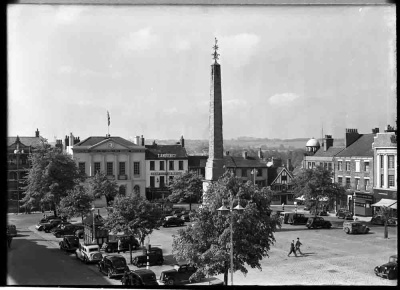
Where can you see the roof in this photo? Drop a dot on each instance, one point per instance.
(392, 203)
(26, 141)
(331, 152)
(197, 160)
(177, 150)
(93, 140)
(386, 139)
(361, 147)
(312, 143)
(251, 162)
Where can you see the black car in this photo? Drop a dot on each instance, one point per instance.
(173, 221)
(51, 224)
(180, 274)
(141, 277)
(318, 222)
(64, 230)
(345, 214)
(298, 219)
(113, 265)
(111, 247)
(155, 258)
(388, 270)
(69, 243)
(379, 220)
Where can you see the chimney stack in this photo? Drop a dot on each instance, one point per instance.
(245, 154)
(142, 140)
(375, 130)
(182, 142)
(137, 140)
(37, 133)
(328, 142)
(260, 154)
(351, 136)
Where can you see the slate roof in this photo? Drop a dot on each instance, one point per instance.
(361, 147)
(26, 141)
(93, 140)
(331, 152)
(197, 160)
(250, 162)
(153, 151)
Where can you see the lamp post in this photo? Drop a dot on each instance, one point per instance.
(94, 225)
(18, 152)
(354, 206)
(223, 210)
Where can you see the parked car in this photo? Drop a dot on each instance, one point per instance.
(88, 253)
(378, 220)
(355, 228)
(46, 219)
(60, 226)
(178, 275)
(345, 214)
(69, 243)
(172, 221)
(388, 270)
(318, 222)
(47, 226)
(155, 257)
(298, 219)
(284, 216)
(141, 277)
(341, 210)
(111, 247)
(12, 230)
(65, 230)
(113, 265)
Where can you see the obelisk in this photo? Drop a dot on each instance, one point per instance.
(215, 162)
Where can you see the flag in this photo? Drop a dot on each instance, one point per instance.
(108, 117)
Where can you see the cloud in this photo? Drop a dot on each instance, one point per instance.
(182, 44)
(238, 49)
(66, 69)
(282, 99)
(140, 40)
(68, 14)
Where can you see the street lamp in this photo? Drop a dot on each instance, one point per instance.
(18, 152)
(354, 206)
(223, 210)
(94, 225)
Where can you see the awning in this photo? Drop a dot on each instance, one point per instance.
(386, 202)
(300, 198)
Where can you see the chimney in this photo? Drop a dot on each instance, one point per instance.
(375, 130)
(389, 128)
(76, 140)
(37, 133)
(182, 141)
(260, 154)
(66, 141)
(288, 164)
(328, 142)
(245, 154)
(351, 136)
(137, 140)
(142, 140)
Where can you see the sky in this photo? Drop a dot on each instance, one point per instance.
(287, 72)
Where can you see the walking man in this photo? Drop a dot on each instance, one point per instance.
(298, 244)
(292, 249)
(119, 245)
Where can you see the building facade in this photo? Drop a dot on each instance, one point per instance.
(120, 159)
(281, 183)
(163, 164)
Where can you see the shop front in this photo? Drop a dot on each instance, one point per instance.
(361, 204)
(157, 193)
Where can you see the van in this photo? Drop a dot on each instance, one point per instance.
(284, 216)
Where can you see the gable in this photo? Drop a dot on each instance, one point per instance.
(283, 177)
(106, 145)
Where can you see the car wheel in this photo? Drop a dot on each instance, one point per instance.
(170, 281)
(40, 229)
(346, 230)
(109, 274)
(391, 275)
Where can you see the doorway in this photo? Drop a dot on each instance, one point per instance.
(283, 199)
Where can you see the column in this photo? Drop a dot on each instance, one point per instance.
(395, 170)
(378, 171)
(91, 164)
(115, 167)
(385, 171)
(128, 172)
(104, 165)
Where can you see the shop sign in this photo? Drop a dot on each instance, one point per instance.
(365, 196)
(165, 173)
(166, 155)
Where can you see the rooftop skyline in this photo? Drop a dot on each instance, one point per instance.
(287, 72)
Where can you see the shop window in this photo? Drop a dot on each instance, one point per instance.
(152, 165)
(152, 181)
(290, 197)
(162, 164)
(276, 197)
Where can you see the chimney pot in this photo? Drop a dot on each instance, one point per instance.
(245, 154)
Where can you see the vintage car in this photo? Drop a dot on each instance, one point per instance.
(378, 220)
(141, 277)
(318, 222)
(355, 228)
(178, 275)
(344, 214)
(172, 221)
(298, 219)
(388, 270)
(65, 230)
(112, 246)
(69, 243)
(113, 265)
(47, 226)
(284, 216)
(11, 230)
(88, 253)
(155, 258)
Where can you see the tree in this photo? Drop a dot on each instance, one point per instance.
(100, 185)
(316, 186)
(78, 202)
(387, 214)
(134, 215)
(206, 243)
(187, 187)
(52, 174)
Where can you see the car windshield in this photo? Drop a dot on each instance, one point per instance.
(119, 263)
(93, 249)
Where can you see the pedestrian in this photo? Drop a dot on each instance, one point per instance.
(283, 206)
(119, 245)
(292, 249)
(298, 244)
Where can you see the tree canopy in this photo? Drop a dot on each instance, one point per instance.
(316, 185)
(100, 185)
(134, 215)
(50, 177)
(206, 243)
(187, 187)
(78, 202)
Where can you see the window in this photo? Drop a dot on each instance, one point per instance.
(347, 165)
(309, 165)
(357, 165)
(381, 160)
(382, 180)
(391, 180)
(136, 189)
(81, 166)
(366, 184)
(290, 197)
(357, 180)
(340, 165)
(244, 172)
(122, 168)
(136, 168)
(313, 164)
(162, 181)
(325, 165)
(151, 181)
(152, 165)
(180, 165)
(110, 170)
(284, 178)
(171, 165)
(340, 180)
(366, 166)
(162, 165)
(96, 167)
(259, 172)
(391, 161)
(347, 182)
